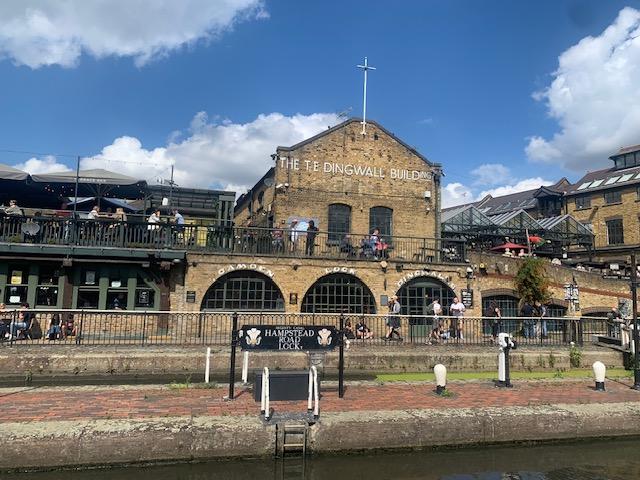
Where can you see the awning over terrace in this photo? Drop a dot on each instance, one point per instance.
(10, 173)
(97, 183)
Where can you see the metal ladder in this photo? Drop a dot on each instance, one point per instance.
(294, 439)
(292, 451)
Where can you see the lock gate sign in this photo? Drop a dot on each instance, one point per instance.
(288, 337)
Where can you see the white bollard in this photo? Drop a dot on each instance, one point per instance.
(599, 371)
(313, 401)
(264, 399)
(207, 365)
(440, 372)
(245, 367)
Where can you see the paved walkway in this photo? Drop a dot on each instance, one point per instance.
(87, 403)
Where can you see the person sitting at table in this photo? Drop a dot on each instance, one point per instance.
(94, 214)
(366, 248)
(13, 209)
(381, 249)
(120, 216)
(346, 247)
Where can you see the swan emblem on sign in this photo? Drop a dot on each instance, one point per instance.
(324, 337)
(253, 337)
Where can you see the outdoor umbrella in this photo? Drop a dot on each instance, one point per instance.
(510, 246)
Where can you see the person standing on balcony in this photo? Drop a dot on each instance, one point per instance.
(293, 235)
(312, 231)
(178, 219)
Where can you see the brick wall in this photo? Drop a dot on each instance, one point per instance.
(297, 276)
(315, 181)
(599, 213)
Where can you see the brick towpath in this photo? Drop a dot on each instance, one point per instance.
(93, 403)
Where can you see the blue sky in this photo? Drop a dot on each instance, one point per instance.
(200, 84)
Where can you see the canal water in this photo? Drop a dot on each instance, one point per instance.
(601, 460)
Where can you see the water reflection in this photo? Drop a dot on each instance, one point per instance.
(612, 460)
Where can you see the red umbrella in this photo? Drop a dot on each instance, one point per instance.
(510, 246)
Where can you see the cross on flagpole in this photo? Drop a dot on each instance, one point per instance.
(366, 68)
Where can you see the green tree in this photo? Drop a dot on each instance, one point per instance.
(531, 281)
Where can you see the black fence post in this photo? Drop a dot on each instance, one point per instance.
(341, 358)
(79, 331)
(144, 327)
(232, 363)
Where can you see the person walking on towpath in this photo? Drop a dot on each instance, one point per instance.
(393, 320)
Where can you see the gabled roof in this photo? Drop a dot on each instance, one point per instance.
(605, 179)
(358, 120)
(516, 219)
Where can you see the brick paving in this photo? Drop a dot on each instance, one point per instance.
(91, 403)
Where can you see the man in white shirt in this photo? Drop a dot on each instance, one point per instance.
(94, 213)
(457, 309)
(154, 220)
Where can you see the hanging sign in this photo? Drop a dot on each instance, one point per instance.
(288, 337)
(466, 296)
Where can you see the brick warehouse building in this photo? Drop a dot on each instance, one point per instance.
(348, 184)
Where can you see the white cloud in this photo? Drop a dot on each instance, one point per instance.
(38, 33)
(593, 97)
(491, 174)
(46, 164)
(520, 186)
(456, 193)
(221, 155)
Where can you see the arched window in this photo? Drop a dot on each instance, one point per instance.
(382, 219)
(508, 306)
(339, 293)
(243, 291)
(339, 221)
(416, 295)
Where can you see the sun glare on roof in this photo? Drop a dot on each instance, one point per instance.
(626, 177)
(597, 183)
(612, 180)
(584, 185)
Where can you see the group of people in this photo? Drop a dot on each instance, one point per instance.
(21, 324)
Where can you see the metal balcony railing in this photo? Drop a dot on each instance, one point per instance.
(112, 233)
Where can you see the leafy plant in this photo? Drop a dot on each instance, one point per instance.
(531, 283)
(575, 356)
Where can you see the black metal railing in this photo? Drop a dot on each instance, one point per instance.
(91, 327)
(106, 233)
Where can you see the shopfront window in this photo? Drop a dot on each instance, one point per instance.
(17, 285)
(47, 289)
